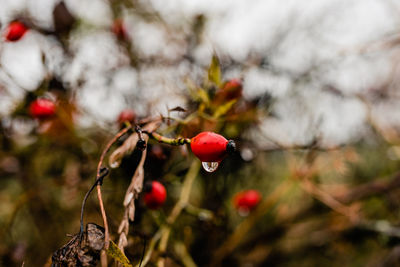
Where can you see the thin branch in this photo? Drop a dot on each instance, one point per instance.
(152, 245)
(170, 141)
(99, 195)
(177, 209)
(329, 200)
(99, 180)
(373, 188)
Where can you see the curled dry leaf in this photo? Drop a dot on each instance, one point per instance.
(129, 145)
(123, 241)
(128, 198)
(131, 211)
(123, 226)
(77, 252)
(136, 184)
(126, 148)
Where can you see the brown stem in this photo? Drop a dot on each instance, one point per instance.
(99, 195)
(375, 187)
(329, 200)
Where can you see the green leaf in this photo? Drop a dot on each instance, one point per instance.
(203, 96)
(214, 71)
(114, 252)
(222, 110)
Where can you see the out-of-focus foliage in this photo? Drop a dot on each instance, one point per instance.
(323, 203)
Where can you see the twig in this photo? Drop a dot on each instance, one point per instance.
(375, 187)
(99, 195)
(181, 250)
(170, 141)
(329, 200)
(98, 181)
(177, 209)
(152, 245)
(144, 250)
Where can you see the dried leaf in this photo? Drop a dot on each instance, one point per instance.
(127, 147)
(128, 198)
(131, 211)
(130, 143)
(123, 241)
(75, 253)
(114, 252)
(122, 226)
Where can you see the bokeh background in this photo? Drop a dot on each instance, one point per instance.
(319, 116)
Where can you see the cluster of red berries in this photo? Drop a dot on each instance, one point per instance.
(42, 108)
(15, 31)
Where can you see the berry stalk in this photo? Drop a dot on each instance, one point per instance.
(170, 141)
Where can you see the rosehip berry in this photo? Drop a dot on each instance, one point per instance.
(15, 31)
(211, 147)
(232, 89)
(42, 108)
(118, 28)
(155, 195)
(247, 200)
(126, 115)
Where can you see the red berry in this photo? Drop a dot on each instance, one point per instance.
(42, 108)
(126, 115)
(246, 200)
(118, 28)
(232, 89)
(211, 147)
(156, 195)
(15, 31)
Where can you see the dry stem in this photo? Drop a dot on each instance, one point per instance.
(136, 185)
(177, 209)
(99, 195)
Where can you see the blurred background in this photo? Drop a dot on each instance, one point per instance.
(316, 120)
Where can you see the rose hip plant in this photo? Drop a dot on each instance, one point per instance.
(195, 133)
(195, 185)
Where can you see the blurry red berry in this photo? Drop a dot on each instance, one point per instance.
(157, 152)
(42, 108)
(246, 200)
(155, 196)
(118, 28)
(15, 31)
(211, 147)
(126, 115)
(232, 89)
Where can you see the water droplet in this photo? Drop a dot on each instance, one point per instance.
(210, 166)
(243, 211)
(115, 164)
